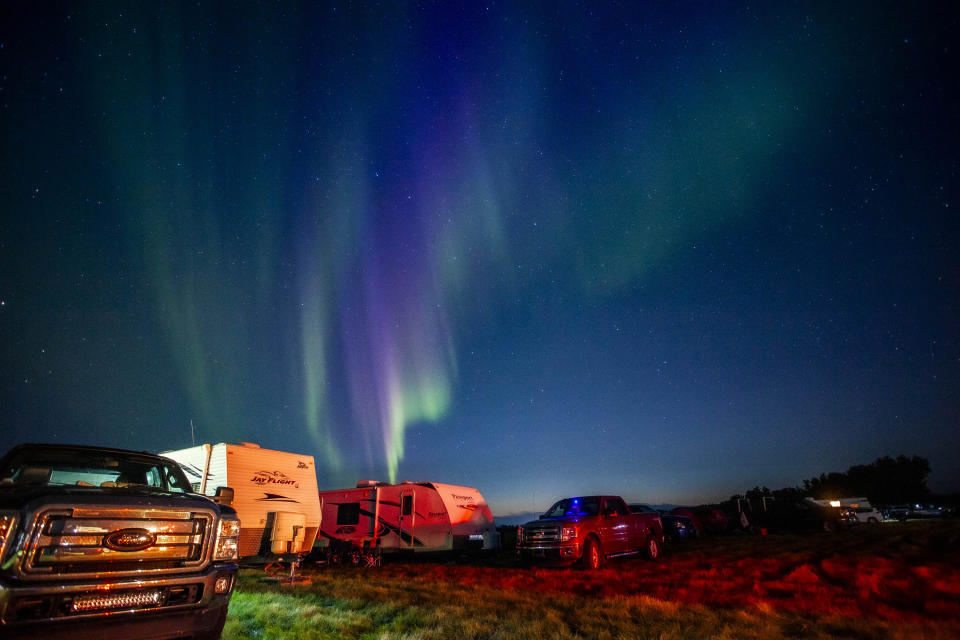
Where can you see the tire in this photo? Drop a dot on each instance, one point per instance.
(652, 548)
(592, 558)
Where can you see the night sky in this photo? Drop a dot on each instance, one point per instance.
(668, 251)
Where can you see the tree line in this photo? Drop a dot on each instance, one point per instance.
(885, 481)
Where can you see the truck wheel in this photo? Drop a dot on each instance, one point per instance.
(653, 548)
(592, 555)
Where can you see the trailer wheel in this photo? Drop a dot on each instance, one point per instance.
(592, 555)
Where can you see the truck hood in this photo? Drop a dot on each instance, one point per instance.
(556, 520)
(15, 497)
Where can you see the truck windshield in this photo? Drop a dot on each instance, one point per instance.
(92, 469)
(574, 507)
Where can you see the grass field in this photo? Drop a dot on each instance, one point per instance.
(896, 580)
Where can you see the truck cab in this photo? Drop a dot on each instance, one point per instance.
(105, 543)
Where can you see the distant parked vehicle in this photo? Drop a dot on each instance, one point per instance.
(803, 515)
(928, 511)
(695, 521)
(675, 527)
(848, 516)
(861, 509)
(898, 512)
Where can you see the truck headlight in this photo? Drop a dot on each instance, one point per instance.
(8, 526)
(568, 533)
(228, 539)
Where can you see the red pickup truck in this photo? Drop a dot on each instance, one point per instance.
(588, 530)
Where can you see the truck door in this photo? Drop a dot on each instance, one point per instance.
(408, 518)
(618, 525)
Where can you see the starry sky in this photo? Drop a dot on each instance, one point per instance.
(668, 251)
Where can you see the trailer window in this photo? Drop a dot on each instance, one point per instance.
(348, 513)
(406, 507)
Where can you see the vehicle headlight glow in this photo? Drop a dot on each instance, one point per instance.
(8, 522)
(568, 533)
(133, 600)
(228, 539)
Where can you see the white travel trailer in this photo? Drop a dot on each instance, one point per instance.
(864, 511)
(275, 493)
(414, 516)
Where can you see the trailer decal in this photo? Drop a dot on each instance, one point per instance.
(275, 497)
(274, 477)
(384, 528)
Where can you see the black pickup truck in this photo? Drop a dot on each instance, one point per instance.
(104, 543)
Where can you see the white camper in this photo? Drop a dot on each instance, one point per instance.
(275, 493)
(415, 516)
(864, 511)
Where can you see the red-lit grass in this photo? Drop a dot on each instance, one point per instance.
(887, 581)
(895, 571)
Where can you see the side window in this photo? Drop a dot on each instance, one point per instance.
(406, 505)
(348, 513)
(618, 505)
(175, 482)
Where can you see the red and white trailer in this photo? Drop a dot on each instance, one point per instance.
(410, 516)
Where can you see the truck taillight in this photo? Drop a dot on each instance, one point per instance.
(568, 533)
(519, 534)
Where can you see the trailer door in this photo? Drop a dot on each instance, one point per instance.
(408, 518)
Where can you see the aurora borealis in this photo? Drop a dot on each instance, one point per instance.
(540, 248)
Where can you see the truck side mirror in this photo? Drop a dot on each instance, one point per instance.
(224, 496)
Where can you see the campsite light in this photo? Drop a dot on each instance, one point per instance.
(834, 503)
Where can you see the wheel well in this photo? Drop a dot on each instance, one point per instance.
(596, 540)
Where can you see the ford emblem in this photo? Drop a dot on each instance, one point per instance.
(129, 540)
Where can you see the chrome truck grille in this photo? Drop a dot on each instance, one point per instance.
(116, 541)
(534, 535)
